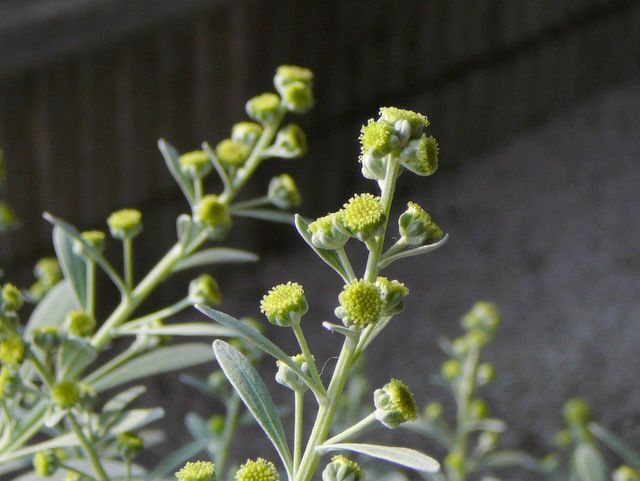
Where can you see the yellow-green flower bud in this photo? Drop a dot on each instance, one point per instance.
(562, 438)
(129, 445)
(283, 192)
(285, 304)
(47, 338)
(95, 238)
(421, 156)
(433, 411)
(362, 216)
(258, 470)
(246, 133)
(626, 473)
(12, 350)
(232, 154)
(286, 74)
(213, 213)
(65, 394)
(264, 108)
(451, 369)
(376, 137)
(374, 165)
(216, 424)
(479, 409)
(290, 143)
(342, 468)
(45, 463)
(392, 294)
(204, 289)
(477, 338)
(394, 404)
(486, 374)
(326, 234)
(297, 97)
(417, 227)
(11, 298)
(125, 223)
(482, 316)
(395, 117)
(360, 304)
(9, 383)
(289, 378)
(80, 323)
(195, 164)
(197, 471)
(576, 411)
(48, 271)
(454, 460)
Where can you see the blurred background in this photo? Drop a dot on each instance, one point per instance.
(536, 105)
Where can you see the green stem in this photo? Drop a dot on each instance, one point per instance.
(353, 430)
(159, 314)
(197, 189)
(311, 363)
(7, 419)
(114, 363)
(87, 448)
(71, 469)
(128, 468)
(91, 287)
(344, 260)
(251, 204)
(45, 375)
(395, 248)
(298, 429)
(127, 248)
(230, 428)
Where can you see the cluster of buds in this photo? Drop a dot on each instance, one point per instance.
(197, 471)
(363, 303)
(577, 414)
(394, 404)
(342, 468)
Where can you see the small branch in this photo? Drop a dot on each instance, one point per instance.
(353, 430)
(87, 448)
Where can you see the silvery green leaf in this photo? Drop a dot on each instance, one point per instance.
(184, 329)
(53, 417)
(53, 308)
(249, 386)
(589, 464)
(252, 335)
(135, 419)
(171, 158)
(186, 228)
(74, 356)
(493, 425)
(409, 458)
(14, 465)
(73, 265)
(175, 459)
(197, 426)
(385, 261)
(63, 441)
(224, 177)
(270, 215)
(330, 257)
(27, 427)
(198, 384)
(164, 359)
(215, 255)
(121, 400)
(629, 455)
(437, 430)
(505, 459)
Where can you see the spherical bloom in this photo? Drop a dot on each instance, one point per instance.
(291, 142)
(297, 96)
(433, 411)
(417, 227)
(483, 316)
(216, 424)
(231, 153)
(326, 234)
(451, 369)
(479, 409)
(48, 271)
(264, 107)
(205, 290)
(197, 471)
(288, 377)
(12, 350)
(395, 404)
(284, 304)
(392, 294)
(376, 137)
(362, 216)
(486, 374)
(195, 164)
(576, 411)
(393, 115)
(80, 323)
(65, 394)
(11, 298)
(454, 460)
(246, 133)
(45, 463)
(283, 192)
(95, 238)
(213, 213)
(342, 468)
(360, 304)
(286, 74)
(626, 473)
(258, 470)
(125, 223)
(420, 156)
(129, 445)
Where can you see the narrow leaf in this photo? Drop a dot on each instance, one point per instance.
(330, 257)
(249, 386)
(506, 459)
(616, 445)
(176, 459)
(53, 308)
(171, 158)
(589, 464)
(270, 215)
(73, 265)
(197, 426)
(409, 458)
(385, 261)
(215, 255)
(121, 400)
(493, 425)
(224, 177)
(186, 329)
(135, 419)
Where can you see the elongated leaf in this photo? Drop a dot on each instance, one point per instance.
(135, 419)
(121, 400)
(74, 356)
(215, 255)
(161, 360)
(224, 177)
(53, 308)
(197, 426)
(330, 257)
(270, 215)
(589, 464)
(630, 456)
(176, 459)
(249, 386)
(506, 459)
(437, 430)
(385, 261)
(62, 441)
(186, 329)
(257, 339)
(493, 425)
(409, 458)
(73, 265)
(171, 158)
(116, 470)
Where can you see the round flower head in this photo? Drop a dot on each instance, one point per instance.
(263, 108)
(48, 271)
(483, 316)
(362, 216)
(376, 137)
(258, 470)
(11, 298)
(12, 350)
(80, 323)
(216, 424)
(451, 369)
(246, 133)
(342, 468)
(420, 156)
(392, 294)
(394, 404)
(433, 411)
(286, 74)
(479, 409)
(125, 223)
(197, 471)
(129, 445)
(205, 290)
(195, 164)
(326, 234)
(65, 394)
(454, 460)
(289, 378)
(47, 338)
(45, 463)
(576, 411)
(283, 192)
(395, 116)
(486, 374)
(417, 227)
(284, 304)
(95, 238)
(213, 213)
(626, 473)
(360, 304)
(290, 143)
(297, 96)
(231, 153)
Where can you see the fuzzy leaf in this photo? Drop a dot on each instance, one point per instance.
(409, 458)
(589, 464)
(215, 255)
(73, 266)
(171, 158)
(330, 257)
(185, 329)
(630, 456)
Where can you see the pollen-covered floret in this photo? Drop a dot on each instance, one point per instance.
(263, 107)
(420, 156)
(12, 350)
(395, 404)
(375, 136)
(325, 233)
(292, 73)
(342, 468)
(417, 121)
(213, 213)
(11, 298)
(125, 223)
(392, 294)
(417, 227)
(258, 470)
(284, 304)
(80, 323)
(360, 303)
(362, 215)
(231, 153)
(65, 394)
(195, 163)
(197, 471)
